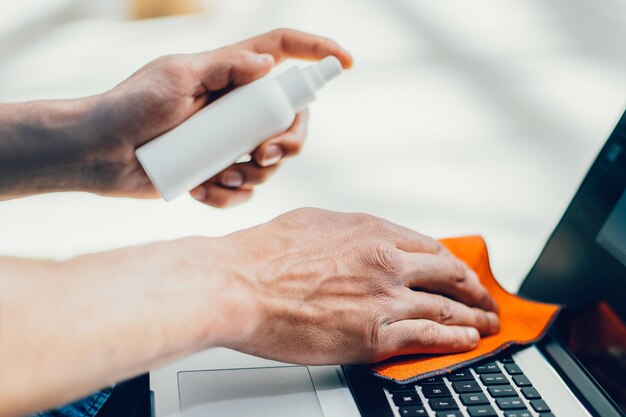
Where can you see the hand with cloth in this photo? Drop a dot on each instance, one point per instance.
(310, 287)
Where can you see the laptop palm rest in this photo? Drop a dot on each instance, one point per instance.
(276, 392)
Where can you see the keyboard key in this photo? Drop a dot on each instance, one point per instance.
(433, 391)
(461, 376)
(540, 406)
(466, 386)
(494, 379)
(512, 369)
(506, 359)
(531, 393)
(522, 381)
(430, 381)
(474, 399)
(403, 390)
(445, 403)
(518, 413)
(413, 411)
(502, 391)
(406, 399)
(487, 368)
(481, 411)
(510, 403)
(449, 414)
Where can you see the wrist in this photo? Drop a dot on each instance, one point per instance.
(225, 307)
(44, 146)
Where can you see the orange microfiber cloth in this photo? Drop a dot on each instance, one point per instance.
(521, 322)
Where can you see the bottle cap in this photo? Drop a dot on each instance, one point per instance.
(301, 84)
(329, 68)
(322, 72)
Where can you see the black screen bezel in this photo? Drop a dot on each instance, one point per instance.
(563, 262)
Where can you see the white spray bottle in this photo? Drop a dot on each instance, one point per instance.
(230, 127)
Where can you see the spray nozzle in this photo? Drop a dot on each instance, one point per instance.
(324, 71)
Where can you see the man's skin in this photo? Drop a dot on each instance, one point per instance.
(310, 287)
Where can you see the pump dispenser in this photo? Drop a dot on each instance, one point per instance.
(234, 125)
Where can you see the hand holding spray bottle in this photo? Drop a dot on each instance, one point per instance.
(234, 125)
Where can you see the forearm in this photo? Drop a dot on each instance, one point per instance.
(69, 328)
(43, 147)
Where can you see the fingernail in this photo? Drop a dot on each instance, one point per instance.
(494, 321)
(273, 155)
(232, 179)
(265, 57)
(473, 335)
(199, 194)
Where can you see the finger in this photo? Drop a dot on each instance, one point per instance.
(231, 67)
(411, 241)
(245, 174)
(287, 43)
(408, 337)
(443, 310)
(220, 197)
(287, 144)
(445, 275)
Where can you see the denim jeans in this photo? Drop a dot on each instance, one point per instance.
(87, 407)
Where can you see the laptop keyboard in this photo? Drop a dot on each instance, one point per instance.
(497, 388)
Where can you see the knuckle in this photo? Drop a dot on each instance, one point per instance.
(323, 45)
(458, 275)
(303, 211)
(236, 54)
(362, 218)
(280, 33)
(445, 314)
(434, 245)
(429, 334)
(304, 217)
(374, 225)
(319, 46)
(482, 321)
(373, 344)
(385, 259)
(172, 65)
(441, 248)
(484, 298)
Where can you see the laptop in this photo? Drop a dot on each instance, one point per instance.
(578, 369)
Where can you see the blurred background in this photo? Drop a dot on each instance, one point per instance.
(458, 117)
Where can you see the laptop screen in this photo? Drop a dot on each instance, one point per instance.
(583, 266)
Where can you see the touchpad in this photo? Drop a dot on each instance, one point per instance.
(277, 392)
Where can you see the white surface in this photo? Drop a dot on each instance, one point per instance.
(459, 117)
(16, 15)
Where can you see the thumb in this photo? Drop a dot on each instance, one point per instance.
(224, 67)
